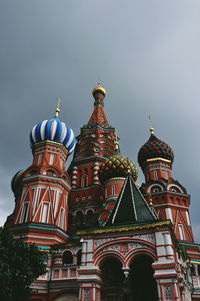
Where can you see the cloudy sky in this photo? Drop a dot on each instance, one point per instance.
(146, 54)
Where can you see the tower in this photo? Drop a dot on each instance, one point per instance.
(42, 189)
(94, 145)
(170, 199)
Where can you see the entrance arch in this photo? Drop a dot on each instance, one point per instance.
(141, 284)
(112, 277)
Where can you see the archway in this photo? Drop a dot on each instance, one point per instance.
(141, 285)
(112, 277)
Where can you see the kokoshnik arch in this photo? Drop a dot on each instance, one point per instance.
(103, 237)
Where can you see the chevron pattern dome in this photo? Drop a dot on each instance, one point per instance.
(53, 130)
(117, 166)
(154, 148)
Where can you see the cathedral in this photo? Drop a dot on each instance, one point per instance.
(103, 236)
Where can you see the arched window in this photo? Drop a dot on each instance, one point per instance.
(79, 219)
(67, 258)
(113, 189)
(84, 180)
(79, 255)
(90, 218)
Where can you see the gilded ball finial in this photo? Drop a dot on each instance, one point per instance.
(151, 130)
(99, 89)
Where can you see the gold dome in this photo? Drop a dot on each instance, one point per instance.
(100, 89)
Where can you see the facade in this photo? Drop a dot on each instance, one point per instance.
(102, 236)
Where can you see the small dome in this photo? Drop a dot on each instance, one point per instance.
(16, 183)
(99, 89)
(117, 166)
(154, 148)
(53, 130)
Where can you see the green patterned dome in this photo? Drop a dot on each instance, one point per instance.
(117, 166)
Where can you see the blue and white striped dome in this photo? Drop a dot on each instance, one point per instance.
(53, 130)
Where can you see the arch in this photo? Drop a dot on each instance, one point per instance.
(112, 277)
(104, 255)
(141, 272)
(174, 188)
(50, 172)
(151, 187)
(90, 218)
(67, 258)
(139, 252)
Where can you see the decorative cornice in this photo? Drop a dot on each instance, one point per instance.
(160, 159)
(123, 228)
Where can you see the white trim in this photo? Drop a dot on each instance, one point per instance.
(51, 159)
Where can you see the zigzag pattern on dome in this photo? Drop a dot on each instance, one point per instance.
(117, 166)
(155, 148)
(53, 130)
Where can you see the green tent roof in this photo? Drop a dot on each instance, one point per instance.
(131, 207)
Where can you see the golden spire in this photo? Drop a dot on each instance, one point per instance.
(57, 111)
(151, 129)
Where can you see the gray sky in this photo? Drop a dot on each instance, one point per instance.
(147, 55)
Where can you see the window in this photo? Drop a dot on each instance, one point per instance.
(25, 213)
(84, 180)
(44, 218)
(155, 175)
(113, 190)
(39, 159)
(67, 258)
(90, 218)
(61, 218)
(181, 232)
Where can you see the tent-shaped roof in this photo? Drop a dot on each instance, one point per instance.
(131, 207)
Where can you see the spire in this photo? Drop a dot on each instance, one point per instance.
(151, 129)
(57, 111)
(98, 116)
(131, 207)
(116, 143)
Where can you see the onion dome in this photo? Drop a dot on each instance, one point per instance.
(16, 183)
(154, 148)
(99, 89)
(53, 130)
(117, 166)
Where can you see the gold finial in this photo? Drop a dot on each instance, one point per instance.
(150, 199)
(58, 106)
(151, 129)
(99, 88)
